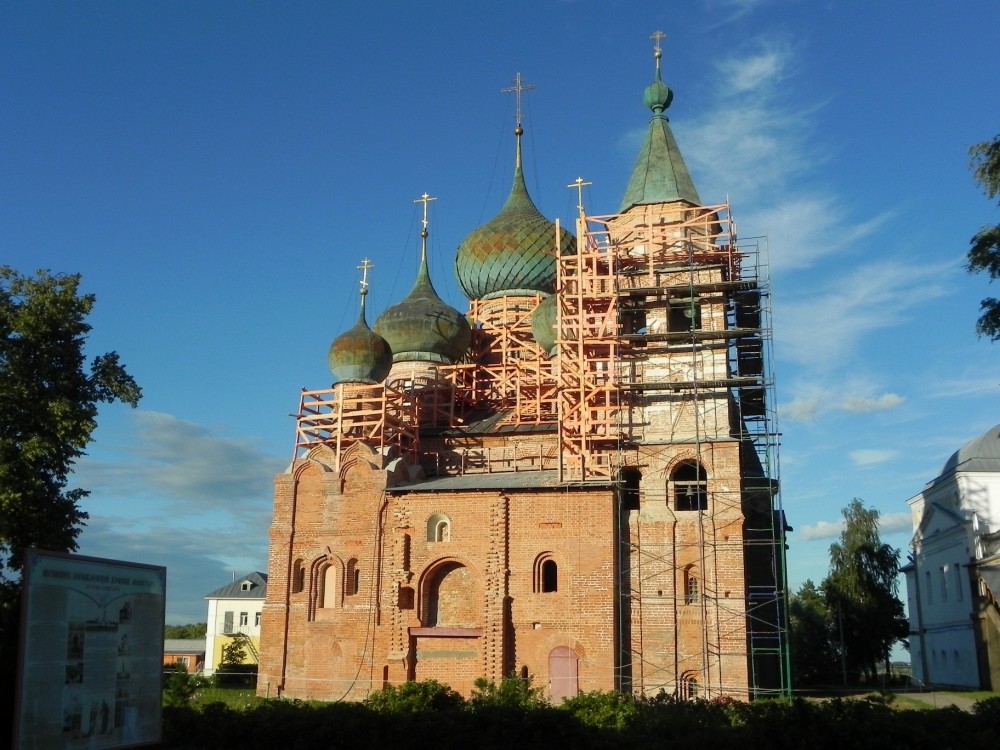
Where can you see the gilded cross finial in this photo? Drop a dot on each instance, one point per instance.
(656, 36)
(425, 199)
(517, 88)
(579, 184)
(365, 265)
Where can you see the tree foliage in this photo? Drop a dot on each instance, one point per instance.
(812, 635)
(861, 591)
(984, 250)
(191, 630)
(48, 408)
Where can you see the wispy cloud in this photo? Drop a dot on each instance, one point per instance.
(871, 456)
(855, 396)
(888, 523)
(823, 329)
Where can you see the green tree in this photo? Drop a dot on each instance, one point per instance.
(233, 654)
(861, 591)
(48, 407)
(191, 630)
(812, 636)
(984, 252)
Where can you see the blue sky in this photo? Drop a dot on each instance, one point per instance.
(216, 172)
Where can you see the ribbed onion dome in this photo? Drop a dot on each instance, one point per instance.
(543, 323)
(360, 355)
(660, 174)
(515, 252)
(422, 327)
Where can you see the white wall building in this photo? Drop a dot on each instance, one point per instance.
(234, 608)
(953, 578)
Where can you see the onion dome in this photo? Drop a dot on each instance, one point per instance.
(360, 355)
(515, 252)
(422, 327)
(660, 174)
(543, 323)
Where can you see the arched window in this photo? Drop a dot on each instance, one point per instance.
(298, 576)
(550, 576)
(630, 478)
(327, 594)
(438, 528)
(689, 687)
(546, 574)
(690, 485)
(692, 586)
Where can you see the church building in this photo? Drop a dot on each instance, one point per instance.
(575, 480)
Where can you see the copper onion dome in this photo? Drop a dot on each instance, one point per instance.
(422, 327)
(360, 355)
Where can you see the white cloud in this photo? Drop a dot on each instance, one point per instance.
(871, 456)
(888, 523)
(864, 404)
(854, 396)
(821, 530)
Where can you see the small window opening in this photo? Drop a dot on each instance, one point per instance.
(550, 576)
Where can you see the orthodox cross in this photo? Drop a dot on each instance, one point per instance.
(365, 265)
(579, 185)
(425, 199)
(517, 88)
(656, 36)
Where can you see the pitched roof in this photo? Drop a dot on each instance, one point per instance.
(235, 590)
(184, 645)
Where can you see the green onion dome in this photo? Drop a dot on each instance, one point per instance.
(515, 252)
(543, 323)
(360, 355)
(422, 327)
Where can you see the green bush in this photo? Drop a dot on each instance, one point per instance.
(415, 697)
(602, 710)
(181, 686)
(512, 692)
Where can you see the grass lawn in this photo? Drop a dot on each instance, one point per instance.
(232, 697)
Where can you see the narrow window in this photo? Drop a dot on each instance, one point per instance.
(958, 581)
(298, 577)
(328, 592)
(256, 619)
(352, 577)
(227, 623)
(630, 478)
(550, 576)
(928, 587)
(244, 619)
(692, 588)
(690, 487)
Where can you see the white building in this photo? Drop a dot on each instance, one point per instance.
(234, 609)
(953, 578)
